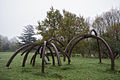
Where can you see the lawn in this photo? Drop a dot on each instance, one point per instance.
(80, 69)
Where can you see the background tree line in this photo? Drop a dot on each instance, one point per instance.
(8, 45)
(64, 26)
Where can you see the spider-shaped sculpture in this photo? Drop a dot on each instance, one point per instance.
(40, 49)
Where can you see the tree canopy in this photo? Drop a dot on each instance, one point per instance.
(63, 26)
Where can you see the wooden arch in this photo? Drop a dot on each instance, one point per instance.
(81, 37)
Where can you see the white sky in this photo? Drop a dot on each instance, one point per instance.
(14, 14)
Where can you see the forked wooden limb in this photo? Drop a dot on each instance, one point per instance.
(43, 57)
(100, 61)
(53, 59)
(57, 54)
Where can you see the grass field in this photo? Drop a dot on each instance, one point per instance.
(80, 69)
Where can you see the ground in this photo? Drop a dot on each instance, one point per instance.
(79, 69)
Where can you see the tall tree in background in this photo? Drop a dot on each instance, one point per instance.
(49, 27)
(28, 35)
(63, 27)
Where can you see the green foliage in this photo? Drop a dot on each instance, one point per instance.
(80, 69)
(113, 40)
(49, 27)
(62, 26)
(108, 27)
(71, 26)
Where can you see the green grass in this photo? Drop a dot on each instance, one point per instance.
(80, 69)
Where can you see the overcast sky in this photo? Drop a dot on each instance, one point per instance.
(14, 14)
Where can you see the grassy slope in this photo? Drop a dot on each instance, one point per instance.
(80, 69)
